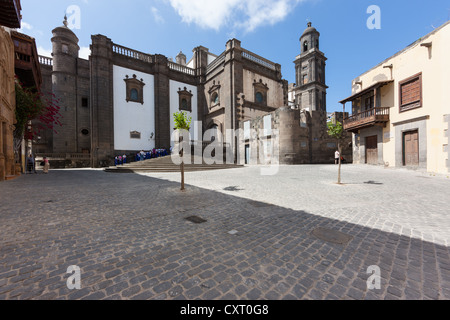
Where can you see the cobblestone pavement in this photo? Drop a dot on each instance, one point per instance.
(129, 235)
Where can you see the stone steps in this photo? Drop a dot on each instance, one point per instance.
(165, 164)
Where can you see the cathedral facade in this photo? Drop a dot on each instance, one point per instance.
(121, 101)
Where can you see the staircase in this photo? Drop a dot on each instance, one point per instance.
(165, 164)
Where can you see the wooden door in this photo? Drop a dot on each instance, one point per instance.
(372, 150)
(411, 149)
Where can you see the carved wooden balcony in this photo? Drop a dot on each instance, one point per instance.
(366, 119)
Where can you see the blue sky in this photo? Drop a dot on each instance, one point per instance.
(270, 28)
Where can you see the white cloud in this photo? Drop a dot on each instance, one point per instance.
(25, 26)
(85, 52)
(157, 15)
(44, 52)
(247, 15)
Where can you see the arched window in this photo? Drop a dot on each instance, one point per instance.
(134, 95)
(259, 97)
(184, 104)
(215, 98)
(135, 89)
(317, 43)
(214, 132)
(305, 46)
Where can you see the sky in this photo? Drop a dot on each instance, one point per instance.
(355, 35)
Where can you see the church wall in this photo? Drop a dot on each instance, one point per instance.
(275, 93)
(133, 116)
(83, 112)
(175, 87)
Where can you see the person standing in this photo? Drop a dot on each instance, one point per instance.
(46, 165)
(33, 160)
(124, 159)
(29, 162)
(337, 155)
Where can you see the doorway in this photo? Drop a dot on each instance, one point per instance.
(372, 150)
(411, 149)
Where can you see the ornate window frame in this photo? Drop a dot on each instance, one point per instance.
(214, 95)
(134, 84)
(185, 99)
(260, 88)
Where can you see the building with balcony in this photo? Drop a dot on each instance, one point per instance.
(28, 72)
(400, 109)
(9, 18)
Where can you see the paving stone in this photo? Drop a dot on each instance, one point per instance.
(272, 255)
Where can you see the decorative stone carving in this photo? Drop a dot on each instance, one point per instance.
(185, 97)
(135, 89)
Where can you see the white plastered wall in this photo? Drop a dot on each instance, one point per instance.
(132, 116)
(196, 128)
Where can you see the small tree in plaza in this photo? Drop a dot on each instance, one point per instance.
(336, 130)
(182, 122)
(32, 105)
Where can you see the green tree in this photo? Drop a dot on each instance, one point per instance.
(32, 105)
(336, 130)
(182, 122)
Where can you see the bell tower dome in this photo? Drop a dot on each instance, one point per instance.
(310, 87)
(64, 83)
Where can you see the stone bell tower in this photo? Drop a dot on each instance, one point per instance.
(310, 89)
(64, 79)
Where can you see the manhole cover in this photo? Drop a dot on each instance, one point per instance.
(196, 220)
(332, 236)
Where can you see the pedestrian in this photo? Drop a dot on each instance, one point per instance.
(115, 161)
(124, 159)
(33, 158)
(337, 155)
(46, 165)
(120, 160)
(29, 164)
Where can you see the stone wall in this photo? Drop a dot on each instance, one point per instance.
(302, 138)
(7, 105)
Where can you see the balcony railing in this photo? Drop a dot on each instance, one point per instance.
(257, 59)
(180, 68)
(124, 51)
(368, 118)
(45, 61)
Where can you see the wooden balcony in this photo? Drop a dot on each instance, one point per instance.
(366, 119)
(10, 13)
(26, 62)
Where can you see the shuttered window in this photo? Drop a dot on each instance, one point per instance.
(411, 93)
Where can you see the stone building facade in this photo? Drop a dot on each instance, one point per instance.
(7, 105)
(400, 110)
(121, 101)
(9, 18)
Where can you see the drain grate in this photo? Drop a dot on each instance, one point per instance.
(332, 236)
(196, 220)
